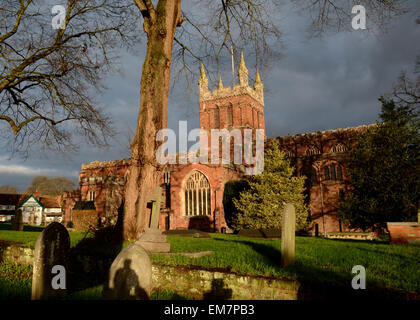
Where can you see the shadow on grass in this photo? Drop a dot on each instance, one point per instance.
(328, 285)
(91, 259)
(404, 259)
(317, 283)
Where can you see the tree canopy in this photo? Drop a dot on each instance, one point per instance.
(261, 205)
(50, 186)
(8, 189)
(50, 78)
(384, 166)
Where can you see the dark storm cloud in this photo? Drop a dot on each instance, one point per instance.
(335, 82)
(319, 84)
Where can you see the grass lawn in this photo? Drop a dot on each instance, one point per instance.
(16, 284)
(30, 234)
(318, 260)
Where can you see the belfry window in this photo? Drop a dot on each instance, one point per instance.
(230, 116)
(216, 118)
(197, 195)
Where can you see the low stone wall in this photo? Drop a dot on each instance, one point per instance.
(195, 283)
(208, 284)
(16, 253)
(404, 232)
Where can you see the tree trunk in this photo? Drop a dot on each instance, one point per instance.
(144, 173)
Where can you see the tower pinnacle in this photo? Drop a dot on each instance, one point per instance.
(243, 72)
(220, 83)
(203, 82)
(258, 86)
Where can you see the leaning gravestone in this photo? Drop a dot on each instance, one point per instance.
(152, 239)
(50, 263)
(288, 235)
(17, 224)
(130, 275)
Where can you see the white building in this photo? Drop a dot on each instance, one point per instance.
(32, 210)
(39, 211)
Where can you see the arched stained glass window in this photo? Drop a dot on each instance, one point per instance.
(197, 195)
(339, 173)
(332, 170)
(327, 173)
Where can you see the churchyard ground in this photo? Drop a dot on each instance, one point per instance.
(319, 262)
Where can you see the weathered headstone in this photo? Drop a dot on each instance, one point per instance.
(17, 224)
(152, 239)
(288, 235)
(50, 263)
(130, 275)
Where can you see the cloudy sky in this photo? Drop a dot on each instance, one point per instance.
(318, 84)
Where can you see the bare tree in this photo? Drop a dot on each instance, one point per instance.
(407, 89)
(49, 77)
(8, 189)
(202, 32)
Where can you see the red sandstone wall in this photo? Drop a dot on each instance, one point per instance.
(107, 179)
(323, 143)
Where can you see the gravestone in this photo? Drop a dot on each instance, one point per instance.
(130, 275)
(51, 250)
(17, 224)
(288, 235)
(152, 239)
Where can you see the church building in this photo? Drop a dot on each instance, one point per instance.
(194, 192)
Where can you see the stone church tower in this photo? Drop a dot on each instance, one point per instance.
(234, 107)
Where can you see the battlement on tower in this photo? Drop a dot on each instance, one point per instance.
(242, 88)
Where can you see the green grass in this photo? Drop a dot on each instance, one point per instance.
(318, 260)
(16, 284)
(15, 281)
(30, 234)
